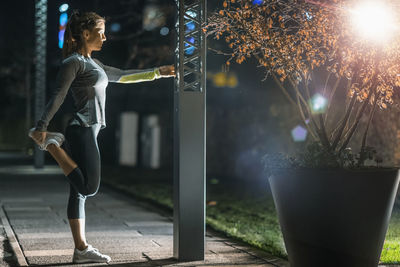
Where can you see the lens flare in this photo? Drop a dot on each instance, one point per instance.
(318, 104)
(299, 134)
(373, 20)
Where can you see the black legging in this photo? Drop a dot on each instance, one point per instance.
(81, 145)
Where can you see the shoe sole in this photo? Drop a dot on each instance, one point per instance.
(87, 261)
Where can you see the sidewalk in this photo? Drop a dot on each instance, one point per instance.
(133, 233)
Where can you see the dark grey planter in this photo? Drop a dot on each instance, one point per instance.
(334, 217)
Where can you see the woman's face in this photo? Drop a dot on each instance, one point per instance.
(95, 38)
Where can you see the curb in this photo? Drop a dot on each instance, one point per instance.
(19, 255)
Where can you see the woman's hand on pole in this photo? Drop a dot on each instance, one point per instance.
(167, 71)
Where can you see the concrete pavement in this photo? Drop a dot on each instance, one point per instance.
(133, 233)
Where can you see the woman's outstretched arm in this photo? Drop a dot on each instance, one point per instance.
(136, 75)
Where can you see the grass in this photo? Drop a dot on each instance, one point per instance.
(391, 248)
(247, 214)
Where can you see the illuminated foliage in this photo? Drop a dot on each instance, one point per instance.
(302, 42)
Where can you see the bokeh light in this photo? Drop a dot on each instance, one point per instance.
(219, 79)
(63, 7)
(61, 39)
(214, 181)
(63, 19)
(223, 79)
(299, 134)
(115, 27)
(232, 81)
(63, 22)
(318, 104)
(164, 31)
(154, 16)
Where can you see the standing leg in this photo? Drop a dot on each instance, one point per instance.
(76, 215)
(78, 233)
(82, 146)
(84, 150)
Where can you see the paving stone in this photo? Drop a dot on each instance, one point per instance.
(48, 252)
(149, 223)
(139, 216)
(46, 244)
(45, 260)
(34, 222)
(127, 257)
(8, 200)
(160, 230)
(27, 209)
(31, 215)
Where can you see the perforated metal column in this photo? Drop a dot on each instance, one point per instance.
(40, 68)
(189, 132)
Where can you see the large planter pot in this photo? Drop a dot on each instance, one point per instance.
(334, 217)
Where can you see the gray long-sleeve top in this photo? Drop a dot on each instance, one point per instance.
(88, 78)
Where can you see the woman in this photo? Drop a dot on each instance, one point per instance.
(79, 156)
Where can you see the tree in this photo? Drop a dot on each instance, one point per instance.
(340, 52)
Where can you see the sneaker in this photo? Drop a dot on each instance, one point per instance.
(90, 254)
(51, 138)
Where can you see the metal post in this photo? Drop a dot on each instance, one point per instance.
(189, 132)
(40, 68)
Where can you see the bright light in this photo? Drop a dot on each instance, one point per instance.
(63, 7)
(63, 22)
(61, 38)
(63, 19)
(318, 103)
(61, 35)
(299, 134)
(373, 20)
